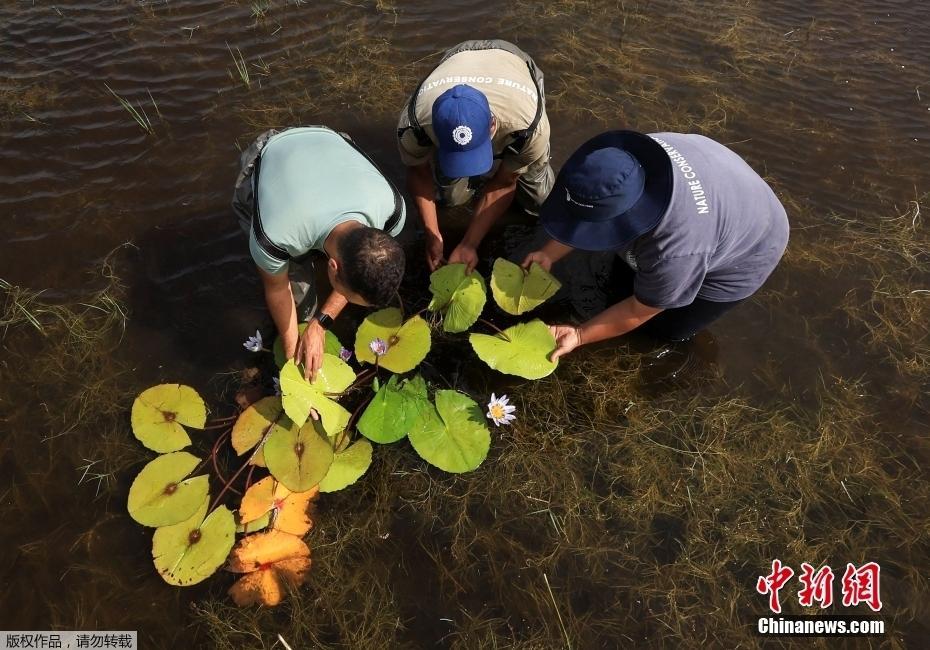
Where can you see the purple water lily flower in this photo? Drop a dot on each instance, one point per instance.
(254, 343)
(379, 347)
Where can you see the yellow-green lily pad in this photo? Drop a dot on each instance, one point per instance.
(453, 436)
(298, 395)
(348, 466)
(161, 495)
(407, 342)
(458, 296)
(517, 291)
(191, 551)
(523, 350)
(300, 458)
(159, 412)
(254, 422)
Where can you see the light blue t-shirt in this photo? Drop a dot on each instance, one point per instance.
(310, 181)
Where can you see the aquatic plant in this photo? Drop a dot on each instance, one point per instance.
(308, 442)
(138, 114)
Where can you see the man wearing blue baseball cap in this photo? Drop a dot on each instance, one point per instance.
(695, 229)
(477, 120)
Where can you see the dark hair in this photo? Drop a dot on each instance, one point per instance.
(371, 263)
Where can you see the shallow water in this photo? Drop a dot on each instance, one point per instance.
(831, 102)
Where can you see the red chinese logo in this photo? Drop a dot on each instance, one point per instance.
(861, 586)
(817, 587)
(773, 582)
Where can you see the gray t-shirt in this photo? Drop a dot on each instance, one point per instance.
(722, 235)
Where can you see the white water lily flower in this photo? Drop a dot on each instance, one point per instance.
(254, 343)
(345, 354)
(500, 411)
(379, 347)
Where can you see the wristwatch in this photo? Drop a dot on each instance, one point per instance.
(324, 319)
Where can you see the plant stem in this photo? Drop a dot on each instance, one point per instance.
(361, 378)
(220, 439)
(495, 328)
(568, 642)
(355, 416)
(247, 462)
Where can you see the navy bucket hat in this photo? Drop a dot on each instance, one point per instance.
(613, 189)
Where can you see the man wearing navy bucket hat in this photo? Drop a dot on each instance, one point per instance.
(476, 125)
(695, 229)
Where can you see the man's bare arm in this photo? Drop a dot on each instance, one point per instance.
(494, 201)
(280, 303)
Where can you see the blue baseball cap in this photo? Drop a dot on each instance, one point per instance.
(615, 188)
(462, 124)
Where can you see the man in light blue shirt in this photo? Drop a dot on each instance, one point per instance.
(311, 189)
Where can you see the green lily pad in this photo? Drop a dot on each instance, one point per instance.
(159, 412)
(299, 458)
(525, 355)
(517, 291)
(162, 496)
(453, 436)
(298, 395)
(252, 424)
(408, 342)
(394, 409)
(458, 296)
(331, 345)
(348, 466)
(192, 550)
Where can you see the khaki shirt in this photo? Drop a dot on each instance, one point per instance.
(505, 80)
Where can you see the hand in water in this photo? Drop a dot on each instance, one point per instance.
(310, 349)
(567, 338)
(466, 255)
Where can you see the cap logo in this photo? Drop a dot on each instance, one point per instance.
(461, 134)
(568, 197)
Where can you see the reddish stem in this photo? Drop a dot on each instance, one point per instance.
(248, 461)
(495, 328)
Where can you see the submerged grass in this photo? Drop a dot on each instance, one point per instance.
(614, 513)
(603, 515)
(138, 115)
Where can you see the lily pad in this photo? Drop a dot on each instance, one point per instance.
(255, 525)
(452, 436)
(408, 341)
(252, 424)
(288, 510)
(271, 561)
(162, 496)
(331, 345)
(191, 551)
(458, 296)
(517, 291)
(159, 412)
(298, 459)
(348, 466)
(298, 395)
(394, 410)
(525, 354)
